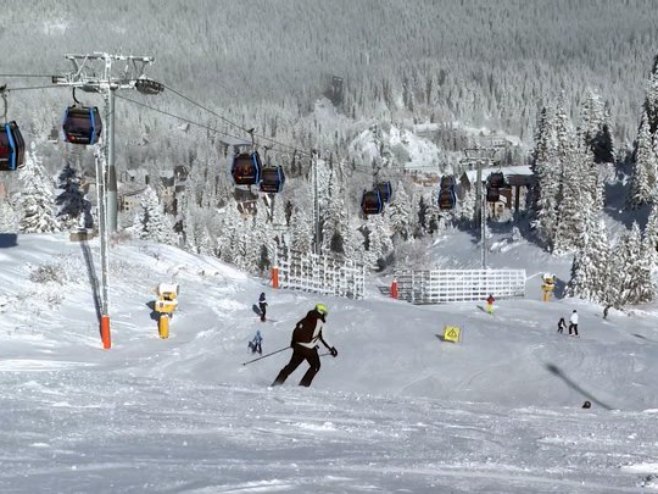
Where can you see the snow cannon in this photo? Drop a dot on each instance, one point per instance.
(547, 286)
(165, 306)
(167, 298)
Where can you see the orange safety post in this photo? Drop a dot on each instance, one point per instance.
(275, 277)
(105, 332)
(394, 288)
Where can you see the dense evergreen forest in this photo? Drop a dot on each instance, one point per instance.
(484, 63)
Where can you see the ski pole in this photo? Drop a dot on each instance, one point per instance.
(265, 356)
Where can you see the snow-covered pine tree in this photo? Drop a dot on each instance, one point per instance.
(153, 223)
(301, 231)
(279, 212)
(579, 283)
(467, 205)
(638, 288)
(421, 214)
(628, 280)
(645, 168)
(332, 235)
(380, 244)
(575, 206)
(71, 200)
(230, 229)
(651, 232)
(591, 116)
(547, 168)
(603, 145)
(243, 244)
(8, 217)
(261, 256)
(645, 289)
(651, 98)
(595, 128)
(352, 241)
(599, 253)
(590, 267)
(400, 214)
(200, 227)
(621, 254)
(35, 202)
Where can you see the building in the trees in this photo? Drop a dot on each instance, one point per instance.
(519, 181)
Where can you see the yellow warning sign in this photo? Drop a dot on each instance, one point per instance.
(452, 333)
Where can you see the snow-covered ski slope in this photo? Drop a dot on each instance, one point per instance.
(397, 411)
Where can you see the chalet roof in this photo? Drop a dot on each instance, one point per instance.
(508, 171)
(135, 192)
(520, 180)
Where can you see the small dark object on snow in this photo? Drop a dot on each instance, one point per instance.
(587, 404)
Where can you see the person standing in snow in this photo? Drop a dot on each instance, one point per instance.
(255, 344)
(262, 305)
(561, 325)
(490, 302)
(304, 345)
(573, 323)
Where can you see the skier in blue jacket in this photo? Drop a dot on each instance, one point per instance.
(255, 344)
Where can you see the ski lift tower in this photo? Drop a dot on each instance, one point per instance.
(316, 201)
(93, 73)
(481, 156)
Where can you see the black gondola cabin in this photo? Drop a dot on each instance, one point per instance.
(447, 181)
(447, 198)
(272, 179)
(371, 202)
(495, 182)
(246, 169)
(386, 190)
(82, 125)
(12, 147)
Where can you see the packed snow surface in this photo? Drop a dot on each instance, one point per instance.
(398, 410)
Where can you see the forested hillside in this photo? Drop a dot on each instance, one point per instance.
(567, 82)
(485, 63)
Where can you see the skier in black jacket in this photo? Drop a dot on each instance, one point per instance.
(305, 337)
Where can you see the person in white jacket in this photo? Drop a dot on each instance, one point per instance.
(573, 323)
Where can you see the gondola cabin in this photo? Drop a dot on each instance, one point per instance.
(495, 182)
(447, 198)
(372, 203)
(386, 191)
(246, 169)
(447, 181)
(82, 125)
(12, 147)
(272, 179)
(148, 86)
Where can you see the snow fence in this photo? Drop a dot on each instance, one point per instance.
(459, 285)
(321, 274)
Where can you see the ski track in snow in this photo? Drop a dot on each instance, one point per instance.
(397, 411)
